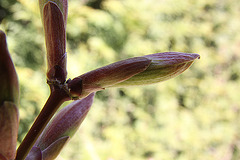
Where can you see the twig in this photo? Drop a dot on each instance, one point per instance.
(57, 97)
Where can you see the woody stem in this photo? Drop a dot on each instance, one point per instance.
(57, 97)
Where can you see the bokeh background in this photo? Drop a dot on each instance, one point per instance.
(192, 117)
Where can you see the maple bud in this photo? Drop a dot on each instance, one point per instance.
(54, 18)
(49, 153)
(107, 76)
(9, 89)
(163, 66)
(134, 71)
(9, 97)
(61, 128)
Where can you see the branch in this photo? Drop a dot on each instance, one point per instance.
(57, 97)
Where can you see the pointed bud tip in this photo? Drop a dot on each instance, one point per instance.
(194, 55)
(172, 58)
(3, 43)
(9, 90)
(2, 35)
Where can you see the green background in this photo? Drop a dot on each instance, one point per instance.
(194, 116)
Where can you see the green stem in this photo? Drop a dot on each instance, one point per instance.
(56, 98)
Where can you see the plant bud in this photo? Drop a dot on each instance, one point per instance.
(9, 97)
(9, 90)
(50, 153)
(163, 66)
(54, 17)
(134, 71)
(107, 76)
(62, 127)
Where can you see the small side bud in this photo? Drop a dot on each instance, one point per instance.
(63, 126)
(50, 153)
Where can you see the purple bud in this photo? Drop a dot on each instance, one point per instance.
(107, 76)
(63, 126)
(62, 4)
(163, 66)
(54, 16)
(9, 97)
(9, 90)
(134, 71)
(51, 152)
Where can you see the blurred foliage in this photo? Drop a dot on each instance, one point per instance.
(194, 116)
